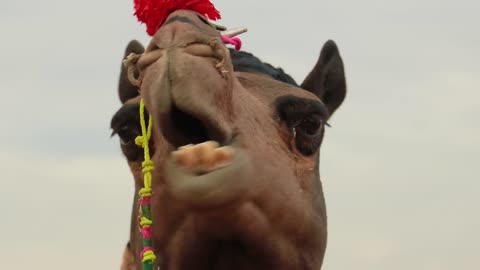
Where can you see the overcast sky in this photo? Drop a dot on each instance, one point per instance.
(400, 164)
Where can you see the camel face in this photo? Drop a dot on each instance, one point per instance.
(236, 150)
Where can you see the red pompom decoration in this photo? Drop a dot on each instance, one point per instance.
(154, 12)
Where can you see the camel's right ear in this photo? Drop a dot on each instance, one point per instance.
(127, 90)
(327, 79)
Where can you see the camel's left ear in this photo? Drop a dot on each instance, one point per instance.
(126, 90)
(327, 79)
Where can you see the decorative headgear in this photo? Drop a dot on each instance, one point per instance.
(154, 12)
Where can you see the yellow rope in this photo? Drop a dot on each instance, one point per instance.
(142, 141)
(146, 192)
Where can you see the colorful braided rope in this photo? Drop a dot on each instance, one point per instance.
(147, 255)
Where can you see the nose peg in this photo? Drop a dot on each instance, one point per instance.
(234, 32)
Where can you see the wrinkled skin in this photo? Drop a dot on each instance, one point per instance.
(263, 206)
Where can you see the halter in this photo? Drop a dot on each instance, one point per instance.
(145, 220)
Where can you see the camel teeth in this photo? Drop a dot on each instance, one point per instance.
(206, 156)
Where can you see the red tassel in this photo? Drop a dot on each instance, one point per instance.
(154, 12)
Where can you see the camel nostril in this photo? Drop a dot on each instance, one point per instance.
(204, 20)
(214, 26)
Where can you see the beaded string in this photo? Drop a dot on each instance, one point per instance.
(147, 255)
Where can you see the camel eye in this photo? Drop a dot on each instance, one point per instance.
(127, 135)
(304, 118)
(310, 126)
(125, 124)
(308, 134)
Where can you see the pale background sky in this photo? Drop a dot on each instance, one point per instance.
(400, 164)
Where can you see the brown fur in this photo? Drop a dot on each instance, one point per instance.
(271, 213)
(128, 261)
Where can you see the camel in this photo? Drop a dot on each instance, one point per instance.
(235, 143)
